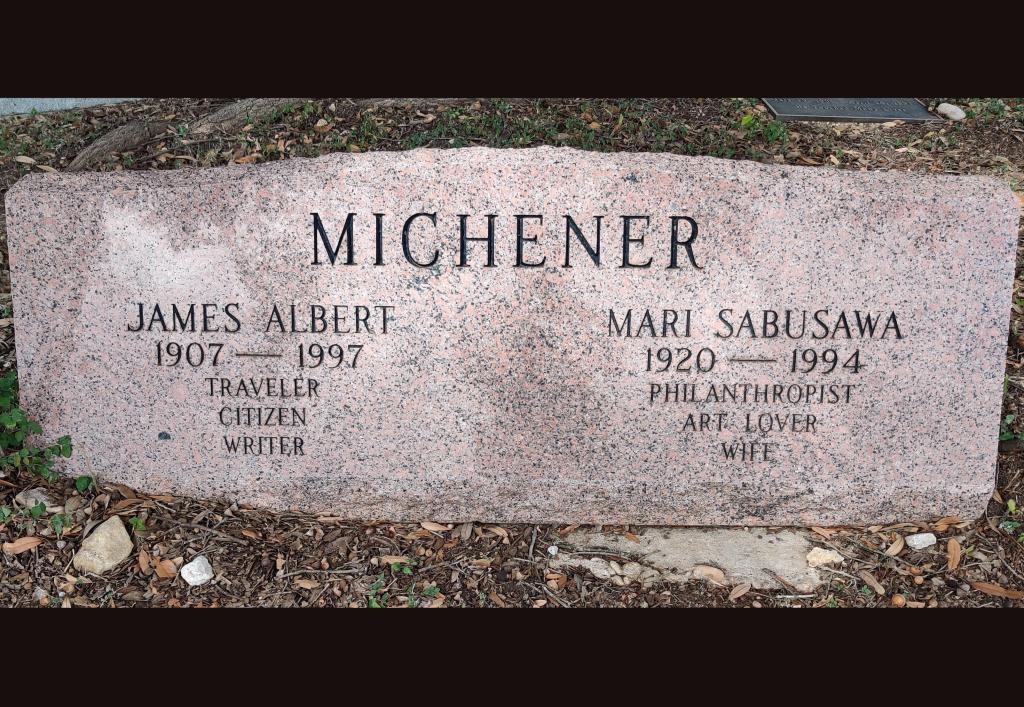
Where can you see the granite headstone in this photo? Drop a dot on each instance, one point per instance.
(523, 335)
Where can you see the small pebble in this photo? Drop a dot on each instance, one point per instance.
(919, 541)
(951, 112)
(197, 572)
(553, 550)
(820, 556)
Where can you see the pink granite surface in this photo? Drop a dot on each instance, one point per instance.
(498, 393)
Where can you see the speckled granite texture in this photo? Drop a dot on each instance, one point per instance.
(504, 393)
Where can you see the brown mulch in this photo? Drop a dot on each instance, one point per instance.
(264, 558)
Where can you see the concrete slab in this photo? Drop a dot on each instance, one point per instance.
(11, 106)
(680, 554)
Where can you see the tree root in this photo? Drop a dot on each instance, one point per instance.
(226, 120)
(122, 139)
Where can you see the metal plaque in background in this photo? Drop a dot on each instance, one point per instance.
(852, 110)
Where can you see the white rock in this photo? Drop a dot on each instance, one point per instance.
(30, 497)
(632, 570)
(710, 574)
(920, 541)
(600, 569)
(197, 572)
(106, 547)
(820, 556)
(553, 550)
(650, 576)
(950, 112)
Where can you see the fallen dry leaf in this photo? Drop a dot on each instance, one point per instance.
(869, 579)
(24, 160)
(896, 546)
(435, 527)
(252, 534)
(997, 591)
(496, 599)
(393, 559)
(953, 553)
(22, 545)
(306, 583)
(166, 569)
(738, 591)
(497, 530)
(825, 532)
(144, 564)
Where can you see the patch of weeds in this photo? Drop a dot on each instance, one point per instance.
(5, 513)
(995, 108)
(432, 591)
(367, 133)
(721, 145)
(37, 510)
(277, 115)
(137, 523)
(372, 599)
(59, 521)
(775, 132)
(82, 483)
(128, 161)
(1005, 427)
(750, 124)
(1010, 525)
(15, 428)
(403, 567)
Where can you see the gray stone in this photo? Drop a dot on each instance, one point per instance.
(681, 554)
(197, 572)
(951, 112)
(920, 541)
(30, 497)
(105, 548)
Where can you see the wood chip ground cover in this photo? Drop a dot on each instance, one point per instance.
(262, 558)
